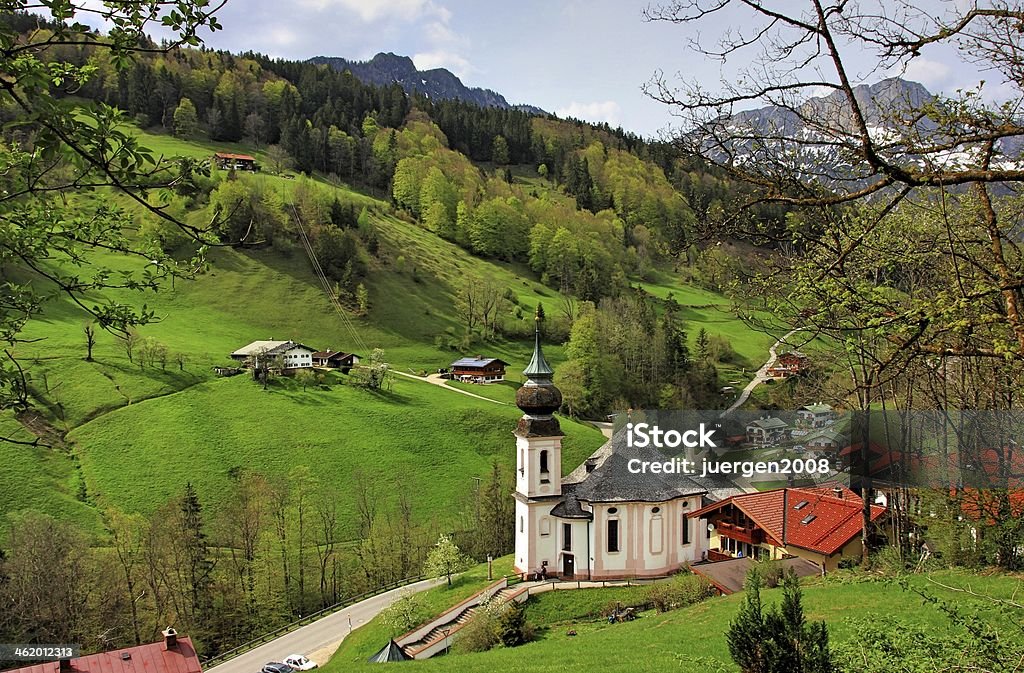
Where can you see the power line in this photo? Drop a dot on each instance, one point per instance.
(326, 284)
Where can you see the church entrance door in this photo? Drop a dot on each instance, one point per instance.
(568, 565)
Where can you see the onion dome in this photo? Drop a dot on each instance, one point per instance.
(539, 398)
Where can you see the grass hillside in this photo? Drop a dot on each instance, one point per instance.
(692, 640)
(428, 440)
(120, 417)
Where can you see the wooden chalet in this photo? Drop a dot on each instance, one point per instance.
(793, 363)
(335, 360)
(767, 431)
(479, 369)
(820, 524)
(235, 162)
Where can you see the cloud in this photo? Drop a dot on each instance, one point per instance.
(440, 58)
(932, 74)
(598, 111)
(372, 10)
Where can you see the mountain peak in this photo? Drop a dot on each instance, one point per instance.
(436, 83)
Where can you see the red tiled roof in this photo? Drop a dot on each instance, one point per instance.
(151, 658)
(837, 520)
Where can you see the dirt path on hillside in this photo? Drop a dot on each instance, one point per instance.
(438, 381)
(762, 374)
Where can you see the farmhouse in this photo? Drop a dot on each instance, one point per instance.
(824, 439)
(284, 354)
(789, 364)
(335, 359)
(602, 521)
(479, 369)
(235, 162)
(819, 524)
(767, 431)
(174, 654)
(815, 416)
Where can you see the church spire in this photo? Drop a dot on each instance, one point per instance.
(538, 369)
(538, 398)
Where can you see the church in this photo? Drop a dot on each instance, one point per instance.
(601, 521)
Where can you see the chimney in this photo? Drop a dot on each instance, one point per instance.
(838, 490)
(590, 464)
(170, 638)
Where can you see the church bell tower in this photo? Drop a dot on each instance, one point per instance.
(538, 460)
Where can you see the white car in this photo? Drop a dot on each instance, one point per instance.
(299, 662)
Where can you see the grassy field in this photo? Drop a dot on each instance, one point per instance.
(416, 436)
(692, 640)
(120, 416)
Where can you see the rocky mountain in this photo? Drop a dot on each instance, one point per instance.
(437, 83)
(819, 140)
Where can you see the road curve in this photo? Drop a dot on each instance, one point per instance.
(322, 636)
(762, 374)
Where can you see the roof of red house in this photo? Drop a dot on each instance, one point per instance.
(151, 658)
(229, 155)
(831, 520)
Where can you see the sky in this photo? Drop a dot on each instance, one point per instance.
(586, 59)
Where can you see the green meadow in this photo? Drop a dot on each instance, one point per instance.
(416, 436)
(692, 640)
(136, 433)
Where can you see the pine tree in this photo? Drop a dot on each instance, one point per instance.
(703, 344)
(746, 633)
(780, 641)
(199, 566)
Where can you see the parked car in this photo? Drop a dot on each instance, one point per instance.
(299, 662)
(277, 667)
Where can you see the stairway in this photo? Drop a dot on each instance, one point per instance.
(439, 632)
(449, 629)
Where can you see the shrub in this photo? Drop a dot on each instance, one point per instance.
(678, 592)
(404, 614)
(513, 629)
(770, 572)
(479, 635)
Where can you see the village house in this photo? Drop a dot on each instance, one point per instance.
(335, 360)
(793, 363)
(767, 431)
(820, 524)
(174, 654)
(478, 369)
(814, 416)
(602, 521)
(825, 439)
(235, 162)
(288, 355)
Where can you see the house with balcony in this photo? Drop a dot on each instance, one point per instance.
(767, 431)
(813, 416)
(819, 524)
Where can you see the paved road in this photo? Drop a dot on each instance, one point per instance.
(438, 381)
(321, 637)
(761, 376)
